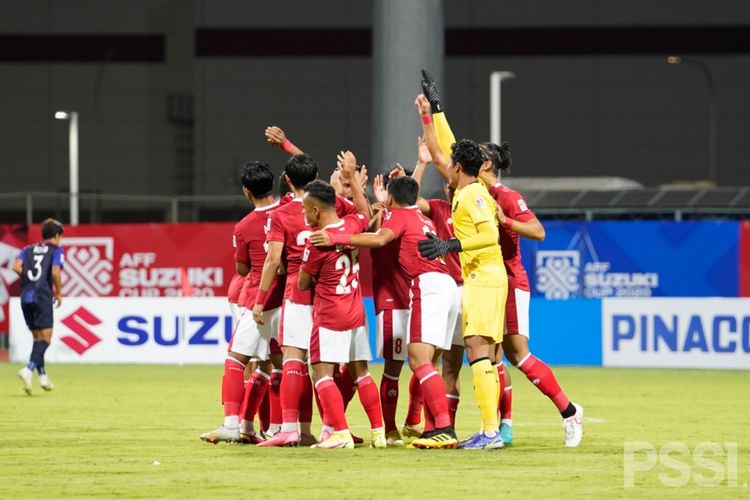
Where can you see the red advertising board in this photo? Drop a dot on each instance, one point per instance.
(745, 259)
(12, 240)
(146, 260)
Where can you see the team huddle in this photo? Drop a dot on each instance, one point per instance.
(447, 283)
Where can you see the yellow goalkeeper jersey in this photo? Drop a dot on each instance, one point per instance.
(472, 206)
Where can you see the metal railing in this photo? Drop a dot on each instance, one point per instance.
(31, 207)
(677, 204)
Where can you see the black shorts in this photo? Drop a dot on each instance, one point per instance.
(38, 316)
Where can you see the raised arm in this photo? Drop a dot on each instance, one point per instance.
(348, 165)
(277, 138)
(430, 138)
(423, 159)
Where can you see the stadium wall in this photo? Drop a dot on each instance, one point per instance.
(626, 114)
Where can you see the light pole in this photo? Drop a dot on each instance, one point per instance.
(73, 162)
(712, 170)
(496, 79)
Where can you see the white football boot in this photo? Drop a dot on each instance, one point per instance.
(25, 375)
(573, 426)
(221, 433)
(46, 383)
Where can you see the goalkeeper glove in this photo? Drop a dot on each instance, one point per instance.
(433, 247)
(430, 92)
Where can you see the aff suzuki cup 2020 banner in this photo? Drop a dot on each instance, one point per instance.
(131, 330)
(595, 260)
(146, 260)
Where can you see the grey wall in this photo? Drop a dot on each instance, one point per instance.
(629, 116)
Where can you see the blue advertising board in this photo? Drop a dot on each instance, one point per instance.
(634, 259)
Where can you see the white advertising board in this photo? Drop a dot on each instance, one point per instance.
(131, 330)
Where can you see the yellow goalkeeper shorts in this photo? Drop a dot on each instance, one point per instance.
(483, 311)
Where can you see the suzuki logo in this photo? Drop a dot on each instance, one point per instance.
(78, 323)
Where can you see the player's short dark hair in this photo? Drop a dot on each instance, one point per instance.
(283, 187)
(257, 177)
(301, 169)
(51, 228)
(499, 155)
(467, 153)
(404, 190)
(322, 191)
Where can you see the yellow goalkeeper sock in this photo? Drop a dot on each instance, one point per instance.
(487, 391)
(444, 133)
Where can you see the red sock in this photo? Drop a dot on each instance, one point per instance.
(433, 392)
(389, 401)
(232, 386)
(453, 401)
(506, 403)
(274, 400)
(429, 420)
(370, 399)
(332, 403)
(501, 376)
(416, 402)
(264, 414)
(292, 386)
(306, 399)
(541, 376)
(346, 385)
(254, 393)
(321, 410)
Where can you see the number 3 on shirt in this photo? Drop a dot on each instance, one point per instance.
(37, 268)
(349, 266)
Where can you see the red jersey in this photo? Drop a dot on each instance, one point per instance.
(288, 226)
(515, 207)
(410, 226)
(441, 215)
(251, 249)
(390, 284)
(235, 286)
(335, 271)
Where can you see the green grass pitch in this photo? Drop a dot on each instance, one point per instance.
(132, 431)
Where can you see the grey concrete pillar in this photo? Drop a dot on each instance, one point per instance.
(407, 36)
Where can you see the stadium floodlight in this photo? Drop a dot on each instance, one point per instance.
(73, 161)
(712, 119)
(496, 80)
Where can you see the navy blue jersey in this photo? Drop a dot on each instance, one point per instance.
(36, 277)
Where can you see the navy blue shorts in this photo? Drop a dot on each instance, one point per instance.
(38, 316)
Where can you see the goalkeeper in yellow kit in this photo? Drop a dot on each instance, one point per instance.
(485, 279)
